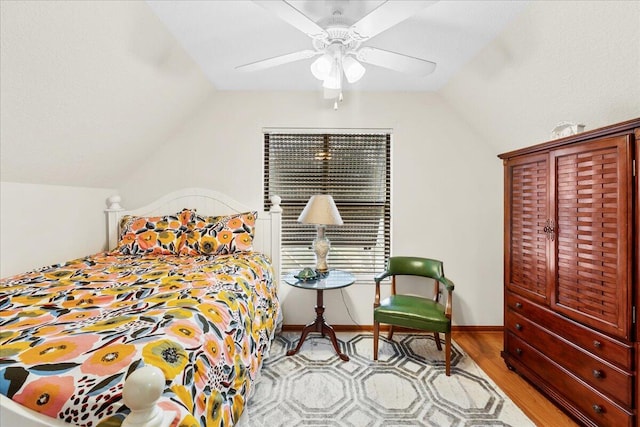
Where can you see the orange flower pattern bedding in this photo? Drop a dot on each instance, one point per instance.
(70, 334)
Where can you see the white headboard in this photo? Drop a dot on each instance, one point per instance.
(206, 202)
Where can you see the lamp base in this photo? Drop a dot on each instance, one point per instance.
(321, 246)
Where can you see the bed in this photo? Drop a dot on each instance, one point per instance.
(167, 328)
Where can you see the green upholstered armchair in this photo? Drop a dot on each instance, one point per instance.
(411, 311)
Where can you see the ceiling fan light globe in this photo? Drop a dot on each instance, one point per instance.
(331, 93)
(321, 67)
(332, 83)
(334, 79)
(353, 70)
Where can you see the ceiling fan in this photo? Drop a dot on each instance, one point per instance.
(338, 45)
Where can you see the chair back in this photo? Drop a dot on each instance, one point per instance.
(415, 266)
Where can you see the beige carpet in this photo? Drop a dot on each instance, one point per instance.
(406, 387)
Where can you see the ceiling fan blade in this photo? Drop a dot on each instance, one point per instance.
(278, 60)
(396, 61)
(386, 16)
(294, 17)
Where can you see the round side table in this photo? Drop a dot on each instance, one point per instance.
(334, 279)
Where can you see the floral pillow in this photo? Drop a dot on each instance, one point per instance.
(158, 235)
(220, 235)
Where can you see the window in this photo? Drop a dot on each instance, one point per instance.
(355, 170)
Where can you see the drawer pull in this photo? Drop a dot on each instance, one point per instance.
(598, 374)
(597, 409)
(597, 344)
(518, 351)
(518, 305)
(518, 326)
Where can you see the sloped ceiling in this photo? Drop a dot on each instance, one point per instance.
(575, 61)
(221, 35)
(88, 89)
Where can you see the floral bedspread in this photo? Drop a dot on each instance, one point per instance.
(71, 333)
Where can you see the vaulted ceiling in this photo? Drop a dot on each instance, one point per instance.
(221, 35)
(89, 90)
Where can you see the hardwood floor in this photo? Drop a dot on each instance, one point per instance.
(484, 348)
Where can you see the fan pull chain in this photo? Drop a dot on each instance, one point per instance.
(335, 103)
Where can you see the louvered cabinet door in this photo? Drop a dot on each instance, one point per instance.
(527, 214)
(592, 237)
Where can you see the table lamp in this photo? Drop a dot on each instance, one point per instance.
(321, 211)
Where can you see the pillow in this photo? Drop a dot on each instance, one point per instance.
(220, 235)
(158, 235)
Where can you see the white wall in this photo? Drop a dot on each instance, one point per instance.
(447, 185)
(577, 61)
(42, 225)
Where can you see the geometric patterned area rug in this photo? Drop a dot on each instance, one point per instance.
(407, 386)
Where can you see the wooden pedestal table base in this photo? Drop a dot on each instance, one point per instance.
(319, 325)
(334, 279)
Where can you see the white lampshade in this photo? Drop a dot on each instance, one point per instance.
(321, 67)
(321, 210)
(352, 69)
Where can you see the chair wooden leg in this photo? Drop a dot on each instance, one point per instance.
(436, 336)
(447, 356)
(390, 334)
(376, 332)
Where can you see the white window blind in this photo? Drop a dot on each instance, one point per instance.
(355, 170)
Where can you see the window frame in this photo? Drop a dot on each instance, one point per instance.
(364, 264)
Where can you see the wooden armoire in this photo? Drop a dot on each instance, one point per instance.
(571, 271)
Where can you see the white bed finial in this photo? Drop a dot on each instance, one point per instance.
(141, 392)
(113, 203)
(275, 203)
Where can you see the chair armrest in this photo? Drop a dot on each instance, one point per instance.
(447, 283)
(381, 276)
(378, 279)
(449, 286)
(449, 307)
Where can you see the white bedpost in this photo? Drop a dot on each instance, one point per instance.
(141, 392)
(113, 219)
(276, 236)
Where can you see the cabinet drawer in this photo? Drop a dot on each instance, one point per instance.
(613, 351)
(595, 406)
(601, 375)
